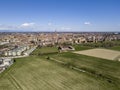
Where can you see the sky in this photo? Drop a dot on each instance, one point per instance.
(60, 15)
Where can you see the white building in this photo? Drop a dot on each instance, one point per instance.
(6, 62)
(17, 51)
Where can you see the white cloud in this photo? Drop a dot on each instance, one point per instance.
(23, 26)
(87, 23)
(35, 27)
(27, 24)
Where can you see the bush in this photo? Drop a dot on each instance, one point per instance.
(48, 58)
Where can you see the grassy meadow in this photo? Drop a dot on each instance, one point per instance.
(79, 47)
(45, 50)
(36, 72)
(115, 48)
(96, 65)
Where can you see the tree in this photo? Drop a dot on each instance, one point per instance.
(48, 58)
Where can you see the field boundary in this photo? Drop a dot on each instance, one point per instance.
(93, 73)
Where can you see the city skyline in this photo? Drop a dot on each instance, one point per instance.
(60, 15)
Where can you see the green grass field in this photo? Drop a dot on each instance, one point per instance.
(79, 47)
(106, 67)
(37, 73)
(115, 48)
(45, 50)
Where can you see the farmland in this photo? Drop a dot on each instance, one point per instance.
(86, 62)
(101, 53)
(36, 72)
